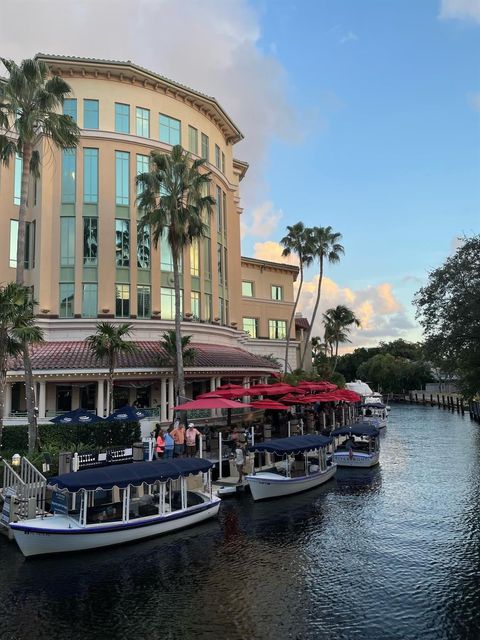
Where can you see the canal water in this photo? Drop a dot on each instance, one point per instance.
(388, 554)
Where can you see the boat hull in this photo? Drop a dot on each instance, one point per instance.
(343, 459)
(35, 540)
(265, 485)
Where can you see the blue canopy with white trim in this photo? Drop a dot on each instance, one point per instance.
(357, 429)
(295, 444)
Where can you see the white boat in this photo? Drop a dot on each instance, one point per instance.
(290, 476)
(357, 445)
(365, 392)
(375, 413)
(117, 504)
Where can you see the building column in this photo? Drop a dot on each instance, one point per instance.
(132, 396)
(212, 384)
(42, 399)
(75, 398)
(246, 384)
(8, 400)
(171, 398)
(100, 398)
(163, 400)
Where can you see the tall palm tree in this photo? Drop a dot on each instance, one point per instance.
(172, 197)
(325, 245)
(338, 323)
(30, 102)
(297, 242)
(109, 342)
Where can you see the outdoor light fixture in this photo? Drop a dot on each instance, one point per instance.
(105, 310)
(45, 311)
(16, 459)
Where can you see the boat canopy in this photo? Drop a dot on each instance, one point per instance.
(135, 473)
(374, 405)
(358, 429)
(295, 444)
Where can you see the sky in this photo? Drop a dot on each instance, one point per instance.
(364, 116)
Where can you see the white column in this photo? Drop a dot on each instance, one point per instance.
(171, 398)
(212, 384)
(42, 399)
(163, 400)
(8, 400)
(75, 398)
(100, 398)
(246, 384)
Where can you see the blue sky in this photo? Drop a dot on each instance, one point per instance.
(389, 154)
(359, 114)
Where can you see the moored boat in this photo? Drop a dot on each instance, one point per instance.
(289, 475)
(357, 445)
(117, 504)
(374, 413)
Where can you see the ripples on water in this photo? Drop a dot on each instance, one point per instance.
(389, 553)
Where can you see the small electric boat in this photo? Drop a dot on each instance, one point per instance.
(357, 445)
(117, 504)
(289, 474)
(375, 413)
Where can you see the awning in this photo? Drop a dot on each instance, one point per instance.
(135, 473)
(357, 429)
(295, 444)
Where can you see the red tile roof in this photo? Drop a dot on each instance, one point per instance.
(301, 323)
(77, 355)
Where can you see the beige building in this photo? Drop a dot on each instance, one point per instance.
(87, 259)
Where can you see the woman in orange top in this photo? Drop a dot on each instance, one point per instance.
(160, 443)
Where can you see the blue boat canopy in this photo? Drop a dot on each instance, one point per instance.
(357, 429)
(135, 474)
(295, 444)
(374, 405)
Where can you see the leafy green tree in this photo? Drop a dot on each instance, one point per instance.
(168, 358)
(173, 199)
(448, 308)
(324, 245)
(338, 322)
(296, 242)
(30, 101)
(107, 343)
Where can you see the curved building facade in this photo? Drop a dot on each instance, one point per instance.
(88, 259)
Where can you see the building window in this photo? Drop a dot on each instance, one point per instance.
(277, 292)
(67, 299)
(220, 263)
(17, 180)
(208, 307)
(122, 118)
(67, 242)
(122, 243)
(208, 258)
(143, 122)
(218, 157)
(221, 310)
(224, 201)
(122, 177)
(167, 303)
(195, 304)
(225, 265)
(89, 300)
(70, 108)
(277, 329)
(219, 210)
(193, 140)
(195, 258)
(13, 243)
(205, 150)
(69, 170)
(30, 232)
(223, 162)
(143, 301)
(166, 259)
(122, 300)
(247, 289)
(90, 176)
(90, 241)
(143, 166)
(250, 326)
(169, 130)
(90, 114)
(143, 246)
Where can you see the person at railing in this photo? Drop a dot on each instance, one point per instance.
(191, 440)
(160, 442)
(169, 443)
(178, 434)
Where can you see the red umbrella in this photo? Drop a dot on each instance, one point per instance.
(292, 398)
(268, 404)
(316, 386)
(230, 387)
(212, 402)
(324, 397)
(276, 389)
(347, 395)
(225, 393)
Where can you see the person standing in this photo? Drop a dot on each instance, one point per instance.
(240, 461)
(160, 443)
(178, 434)
(169, 444)
(191, 440)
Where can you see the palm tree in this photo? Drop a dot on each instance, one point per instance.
(173, 201)
(338, 323)
(168, 343)
(29, 105)
(325, 244)
(109, 341)
(297, 242)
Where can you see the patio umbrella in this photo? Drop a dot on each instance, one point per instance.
(225, 393)
(324, 397)
(292, 398)
(212, 402)
(277, 389)
(268, 404)
(347, 395)
(316, 386)
(126, 414)
(78, 416)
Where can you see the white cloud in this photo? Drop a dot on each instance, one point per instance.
(262, 221)
(349, 36)
(272, 251)
(460, 9)
(474, 100)
(211, 46)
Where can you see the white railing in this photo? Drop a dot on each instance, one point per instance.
(26, 485)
